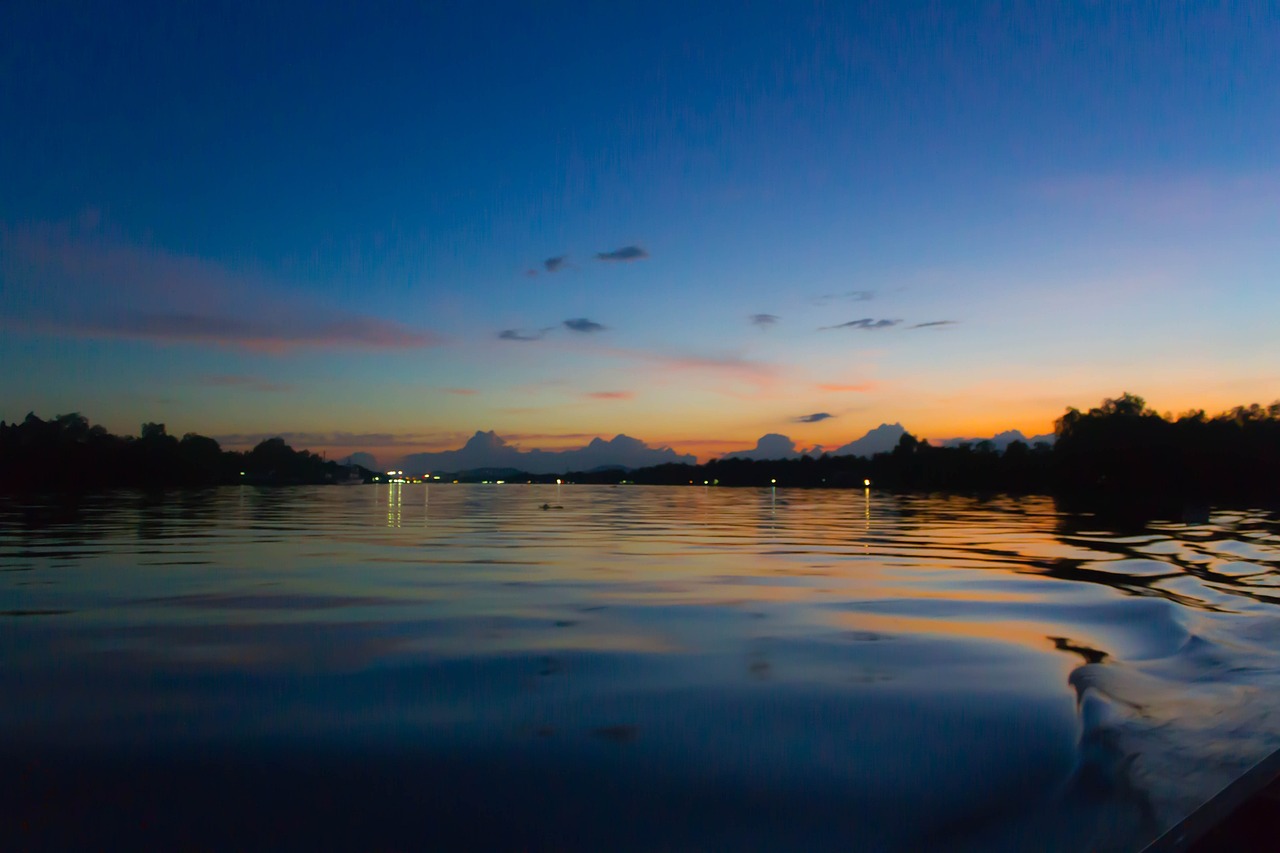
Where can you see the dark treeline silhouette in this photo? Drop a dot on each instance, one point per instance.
(1123, 445)
(69, 453)
(1118, 448)
(912, 465)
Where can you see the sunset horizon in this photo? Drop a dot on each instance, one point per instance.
(961, 222)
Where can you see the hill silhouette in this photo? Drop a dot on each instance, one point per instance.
(1118, 448)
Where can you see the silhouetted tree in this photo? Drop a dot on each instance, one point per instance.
(68, 452)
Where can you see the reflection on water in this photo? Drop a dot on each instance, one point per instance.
(629, 668)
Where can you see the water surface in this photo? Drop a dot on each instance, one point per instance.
(581, 668)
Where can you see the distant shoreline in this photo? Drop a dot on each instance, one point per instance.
(1118, 450)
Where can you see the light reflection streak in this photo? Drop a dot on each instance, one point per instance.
(394, 504)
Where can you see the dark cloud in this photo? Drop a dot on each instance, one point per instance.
(864, 323)
(521, 335)
(582, 324)
(847, 296)
(763, 320)
(250, 383)
(814, 418)
(611, 395)
(555, 264)
(626, 253)
(935, 323)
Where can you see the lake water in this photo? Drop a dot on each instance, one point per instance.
(627, 668)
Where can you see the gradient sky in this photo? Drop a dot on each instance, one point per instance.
(383, 229)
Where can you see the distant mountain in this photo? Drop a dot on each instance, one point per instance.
(365, 460)
(882, 439)
(773, 446)
(489, 450)
(1001, 441)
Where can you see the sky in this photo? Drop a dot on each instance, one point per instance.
(383, 227)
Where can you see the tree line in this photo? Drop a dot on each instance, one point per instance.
(1119, 447)
(67, 452)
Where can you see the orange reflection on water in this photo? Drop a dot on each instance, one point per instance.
(1029, 634)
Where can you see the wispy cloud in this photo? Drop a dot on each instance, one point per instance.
(555, 264)
(935, 324)
(833, 388)
(249, 383)
(461, 392)
(315, 440)
(723, 369)
(90, 286)
(257, 335)
(626, 253)
(582, 324)
(1187, 199)
(764, 320)
(864, 323)
(610, 395)
(846, 296)
(813, 418)
(555, 437)
(522, 335)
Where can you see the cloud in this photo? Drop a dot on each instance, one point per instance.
(518, 437)
(461, 392)
(626, 253)
(611, 395)
(555, 264)
(847, 296)
(935, 324)
(864, 323)
(846, 389)
(520, 335)
(577, 324)
(1194, 199)
(764, 320)
(489, 450)
(316, 440)
(275, 334)
(722, 373)
(582, 324)
(756, 373)
(813, 418)
(250, 383)
(64, 282)
(773, 446)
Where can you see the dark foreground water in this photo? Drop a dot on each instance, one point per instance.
(458, 667)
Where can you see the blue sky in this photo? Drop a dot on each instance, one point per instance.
(318, 219)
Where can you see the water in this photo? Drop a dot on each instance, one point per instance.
(583, 668)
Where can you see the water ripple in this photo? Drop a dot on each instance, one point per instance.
(1035, 676)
